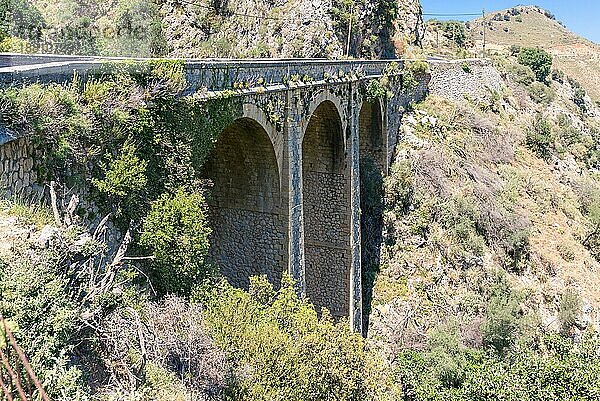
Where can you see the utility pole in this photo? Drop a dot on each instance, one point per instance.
(484, 29)
(349, 30)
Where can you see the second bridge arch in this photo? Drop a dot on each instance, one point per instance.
(327, 210)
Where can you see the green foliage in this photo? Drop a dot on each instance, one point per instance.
(126, 132)
(286, 350)
(564, 372)
(26, 210)
(376, 90)
(418, 67)
(136, 31)
(539, 137)
(541, 93)
(42, 294)
(569, 309)
(77, 36)
(592, 239)
(538, 60)
(399, 188)
(124, 176)
(455, 31)
(465, 67)
(521, 74)
(20, 19)
(176, 232)
(459, 216)
(412, 72)
(501, 327)
(341, 11)
(4, 18)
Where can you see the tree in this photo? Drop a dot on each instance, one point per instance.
(455, 30)
(4, 19)
(538, 60)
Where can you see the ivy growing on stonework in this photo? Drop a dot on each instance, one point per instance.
(128, 131)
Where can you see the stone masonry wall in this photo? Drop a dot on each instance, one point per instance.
(17, 169)
(249, 228)
(326, 190)
(372, 144)
(456, 79)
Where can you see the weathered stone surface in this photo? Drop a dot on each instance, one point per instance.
(326, 193)
(456, 80)
(245, 205)
(17, 169)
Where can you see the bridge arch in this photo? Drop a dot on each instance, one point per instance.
(245, 202)
(326, 96)
(373, 162)
(327, 208)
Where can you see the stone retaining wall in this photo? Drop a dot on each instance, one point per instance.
(455, 80)
(18, 176)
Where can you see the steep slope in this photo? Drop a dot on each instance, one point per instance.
(233, 29)
(531, 26)
(490, 225)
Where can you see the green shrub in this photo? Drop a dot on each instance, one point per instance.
(558, 75)
(124, 175)
(138, 31)
(569, 309)
(592, 238)
(521, 74)
(399, 187)
(579, 97)
(541, 93)
(286, 351)
(23, 20)
(538, 60)
(500, 329)
(459, 216)
(539, 137)
(176, 232)
(376, 90)
(564, 372)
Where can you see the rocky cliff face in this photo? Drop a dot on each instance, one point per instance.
(297, 28)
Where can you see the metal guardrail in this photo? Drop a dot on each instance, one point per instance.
(17, 379)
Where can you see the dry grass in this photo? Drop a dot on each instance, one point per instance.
(578, 57)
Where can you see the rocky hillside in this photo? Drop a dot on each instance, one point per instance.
(491, 221)
(533, 26)
(235, 29)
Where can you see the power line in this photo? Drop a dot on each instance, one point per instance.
(451, 15)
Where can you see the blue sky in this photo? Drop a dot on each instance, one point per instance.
(580, 16)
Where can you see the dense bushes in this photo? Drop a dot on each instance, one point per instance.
(538, 60)
(540, 93)
(554, 369)
(176, 231)
(287, 352)
(455, 31)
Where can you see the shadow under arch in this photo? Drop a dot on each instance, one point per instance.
(245, 205)
(327, 211)
(373, 156)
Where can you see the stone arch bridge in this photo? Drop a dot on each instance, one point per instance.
(293, 172)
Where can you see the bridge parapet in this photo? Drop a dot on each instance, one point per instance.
(211, 74)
